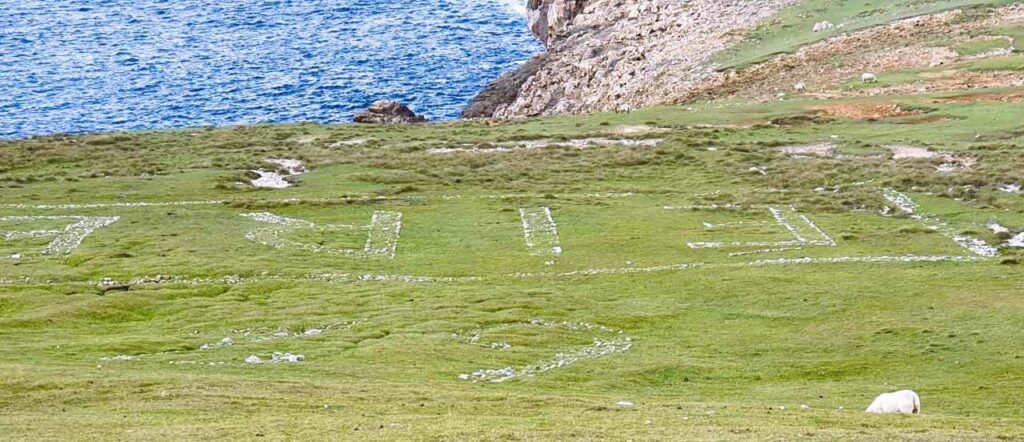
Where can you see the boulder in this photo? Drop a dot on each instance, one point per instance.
(388, 112)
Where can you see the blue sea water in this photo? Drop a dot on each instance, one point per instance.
(111, 65)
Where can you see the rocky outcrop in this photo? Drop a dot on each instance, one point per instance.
(388, 112)
(502, 91)
(613, 55)
(550, 18)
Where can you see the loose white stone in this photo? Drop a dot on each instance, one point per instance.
(998, 229)
(542, 144)
(1016, 241)
(286, 357)
(119, 358)
(272, 179)
(540, 232)
(65, 240)
(1010, 188)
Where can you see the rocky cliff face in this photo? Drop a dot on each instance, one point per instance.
(613, 55)
(550, 18)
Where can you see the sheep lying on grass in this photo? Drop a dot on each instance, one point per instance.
(903, 401)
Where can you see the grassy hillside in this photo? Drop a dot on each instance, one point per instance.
(777, 333)
(794, 28)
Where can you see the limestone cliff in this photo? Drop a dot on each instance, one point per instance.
(550, 18)
(610, 55)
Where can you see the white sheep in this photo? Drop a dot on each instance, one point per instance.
(823, 26)
(800, 87)
(868, 77)
(903, 401)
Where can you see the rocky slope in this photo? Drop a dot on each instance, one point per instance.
(609, 55)
(922, 54)
(613, 55)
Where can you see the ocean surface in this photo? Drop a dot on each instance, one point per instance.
(112, 65)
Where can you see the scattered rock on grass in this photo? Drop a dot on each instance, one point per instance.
(119, 358)
(900, 152)
(226, 342)
(1010, 188)
(580, 143)
(350, 142)
(636, 130)
(809, 150)
(272, 179)
(1000, 231)
(1017, 241)
(286, 357)
(951, 163)
(275, 357)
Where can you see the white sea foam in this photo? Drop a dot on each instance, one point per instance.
(517, 7)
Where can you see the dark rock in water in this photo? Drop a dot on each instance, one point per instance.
(388, 112)
(502, 91)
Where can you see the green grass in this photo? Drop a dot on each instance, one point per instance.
(977, 47)
(717, 350)
(793, 28)
(1014, 32)
(1008, 63)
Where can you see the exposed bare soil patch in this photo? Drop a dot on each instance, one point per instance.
(865, 111)
(1016, 96)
